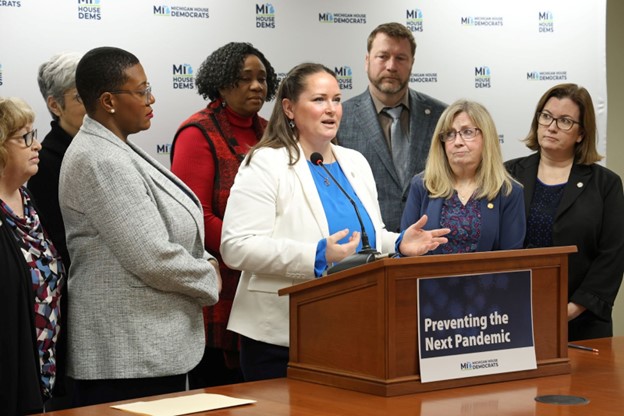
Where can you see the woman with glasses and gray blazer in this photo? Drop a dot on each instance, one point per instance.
(139, 275)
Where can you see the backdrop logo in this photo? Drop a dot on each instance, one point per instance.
(89, 10)
(345, 77)
(348, 18)
(547, 76)
(265, 16)
(482, 21)
(424, 77)
(163, 149)
(162, 10)
(183, 77)
(182, 11)
(7, 3)
(483, 77)
(546, 22)
(414, 20)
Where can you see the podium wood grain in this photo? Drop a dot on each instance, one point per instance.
(358, 329)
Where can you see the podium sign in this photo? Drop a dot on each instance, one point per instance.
(358, 329)
(475, 325)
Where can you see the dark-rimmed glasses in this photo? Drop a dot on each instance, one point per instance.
(563, 123)
(29, 137)
(147, 93)
(467, 134)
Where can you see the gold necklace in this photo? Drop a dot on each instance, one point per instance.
(463, 198)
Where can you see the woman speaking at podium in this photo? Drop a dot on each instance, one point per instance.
(287, 220)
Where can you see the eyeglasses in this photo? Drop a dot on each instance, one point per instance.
(29, 137)
(563, 123)
(467, 134)
(147, 93)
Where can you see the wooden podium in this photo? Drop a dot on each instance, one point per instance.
(358, 329)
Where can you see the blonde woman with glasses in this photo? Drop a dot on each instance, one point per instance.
(465, 186)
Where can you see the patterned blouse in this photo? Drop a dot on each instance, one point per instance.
(546, 199)
(48, 276)
(464, 222)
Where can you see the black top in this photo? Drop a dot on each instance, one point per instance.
(546, 199)
(44, 187)
(20, 390)
(589, 216)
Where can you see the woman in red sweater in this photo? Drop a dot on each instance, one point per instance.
(206, 153)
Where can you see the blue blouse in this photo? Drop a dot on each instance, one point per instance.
(339, 211)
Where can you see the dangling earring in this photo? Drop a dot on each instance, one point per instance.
(223, 104)
(291, 123)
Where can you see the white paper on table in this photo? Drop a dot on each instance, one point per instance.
(183, 405)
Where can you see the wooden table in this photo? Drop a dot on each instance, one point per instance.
(599, 377)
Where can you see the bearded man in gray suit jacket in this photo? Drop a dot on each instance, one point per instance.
(367, 127)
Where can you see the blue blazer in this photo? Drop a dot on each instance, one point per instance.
(503, 222)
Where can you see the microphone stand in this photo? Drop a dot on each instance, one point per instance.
(367, 254)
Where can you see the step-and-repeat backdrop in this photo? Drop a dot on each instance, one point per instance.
(504, 54)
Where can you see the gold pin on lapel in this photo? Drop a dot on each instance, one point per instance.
(490, 205)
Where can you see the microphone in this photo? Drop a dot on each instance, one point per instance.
(367, 254)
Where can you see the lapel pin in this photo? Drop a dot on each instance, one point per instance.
(579, 185)
(490, 205)
(427, 111)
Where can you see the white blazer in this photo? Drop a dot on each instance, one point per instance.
(273, 222)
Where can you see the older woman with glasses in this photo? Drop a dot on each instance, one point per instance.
(465, 186)
(57, 83)
(571, 200)
(139, 275)
(31, 269)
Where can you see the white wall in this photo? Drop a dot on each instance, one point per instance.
(615, 82)
(503, 43)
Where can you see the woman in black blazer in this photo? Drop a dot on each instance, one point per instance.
(31, 272)
(571, 200)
